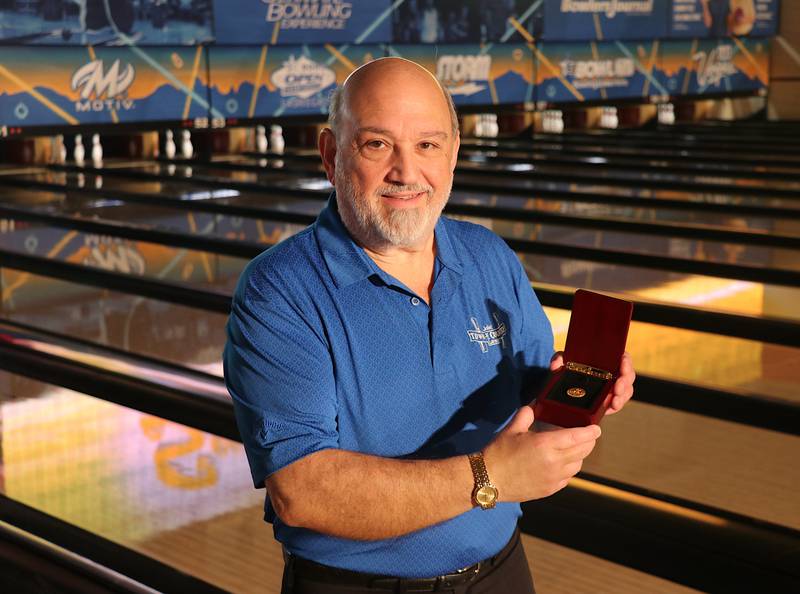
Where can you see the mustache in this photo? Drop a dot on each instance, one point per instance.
(404, 189)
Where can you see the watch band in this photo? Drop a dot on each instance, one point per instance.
(484, 493)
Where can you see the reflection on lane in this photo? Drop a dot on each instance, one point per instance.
(151, 485)
(176, 334)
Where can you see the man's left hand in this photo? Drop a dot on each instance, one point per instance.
(623, 387)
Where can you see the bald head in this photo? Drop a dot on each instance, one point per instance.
(392, 75)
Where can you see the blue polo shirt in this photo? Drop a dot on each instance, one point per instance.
(326, 350)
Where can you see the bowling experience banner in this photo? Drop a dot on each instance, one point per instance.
(492, 74)
(101, 85)
(709, 67)
(462, 21)
(105, 22)
(721, 18)
(281, 22)
(594, 71)
(274, 81)
(598, 20)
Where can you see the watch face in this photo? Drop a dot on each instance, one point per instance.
(486, 495)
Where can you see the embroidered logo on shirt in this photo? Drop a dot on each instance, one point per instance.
(488, 335)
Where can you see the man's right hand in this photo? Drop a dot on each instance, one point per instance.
(526, 465)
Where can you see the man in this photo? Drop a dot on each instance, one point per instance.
(369, 407)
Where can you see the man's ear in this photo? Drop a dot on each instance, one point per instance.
(327, 150)
(454, 156)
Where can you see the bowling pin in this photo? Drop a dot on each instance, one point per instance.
(187, 150)
(276, 140)
(548, 121)
(614, 123)
(558, 126)
(262, 146)
(494, 126)
(60, 151)
(479, 126)
(79, 154)
(169, 145)
(97, 151)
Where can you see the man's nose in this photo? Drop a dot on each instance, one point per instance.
(402, 167)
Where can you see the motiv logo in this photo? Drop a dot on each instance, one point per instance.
(715, 65)
(103, 89)
(301, 77)
(459, 73)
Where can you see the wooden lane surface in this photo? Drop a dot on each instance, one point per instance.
(238, 553)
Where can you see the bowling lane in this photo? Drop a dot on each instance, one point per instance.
(178, 334)
(190, 267)
(273, 179)
(76, 201)
(194, 338)
(182, 496)
(142, 481)
(311, 178)
(171, 492)
(646, 176)
(637, 161)
(558, 145)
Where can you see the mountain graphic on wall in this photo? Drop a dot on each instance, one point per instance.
(165, 103)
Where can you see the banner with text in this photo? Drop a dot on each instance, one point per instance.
(115, 22)
(251, 82)
(492, 74)
(713, 67)
(101, 85)
(463, 21)
(598, 20)
(577, 72)
(282, 22)
(721, 18)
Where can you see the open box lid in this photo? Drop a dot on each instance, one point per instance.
(598, 330)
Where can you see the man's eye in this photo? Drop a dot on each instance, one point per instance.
(427, 145)
(375, 144)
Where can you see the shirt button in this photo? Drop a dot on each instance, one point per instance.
(414, 301)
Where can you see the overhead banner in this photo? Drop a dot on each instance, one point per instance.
(721, 18)
(103, 85)
(105, 22)
(599, 20)
(577, 72)
(465, 21)
(710, 67)
(492, 74)
(252, 82)
(281, 22)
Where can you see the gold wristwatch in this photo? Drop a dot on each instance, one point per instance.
(484, 493)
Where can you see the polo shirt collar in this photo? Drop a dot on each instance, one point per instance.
(348, 263)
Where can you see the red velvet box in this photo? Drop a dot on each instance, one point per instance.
(579, 393)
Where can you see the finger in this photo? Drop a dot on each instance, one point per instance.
(626, 370)
(578, 452)
(619, 400)
(557, 361)
(522, 420)
(567, 438)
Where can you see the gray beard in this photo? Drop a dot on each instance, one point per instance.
(375, 227)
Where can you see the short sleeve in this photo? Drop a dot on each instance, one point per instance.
(279, 373)
(536, 330)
